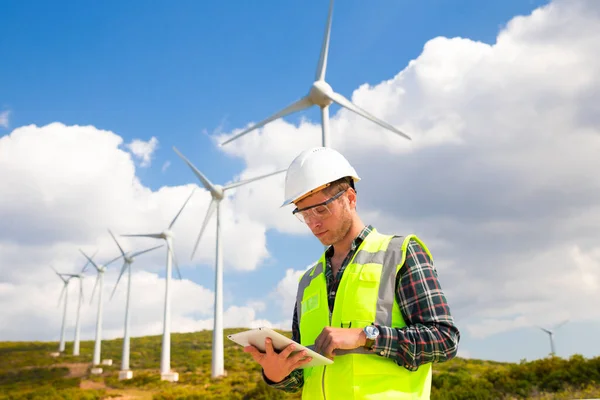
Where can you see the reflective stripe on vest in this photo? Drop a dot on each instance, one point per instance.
(359, 373)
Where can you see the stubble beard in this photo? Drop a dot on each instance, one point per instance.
(340, 233)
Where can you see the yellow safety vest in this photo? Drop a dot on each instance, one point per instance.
(366, 295)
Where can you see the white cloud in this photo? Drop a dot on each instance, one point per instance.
(286, 289)
(62, 188)
(35, 314)
(143, 150)
(166, 165)
(4, 118)
(500, 179)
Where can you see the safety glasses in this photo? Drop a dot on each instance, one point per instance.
(318, 211)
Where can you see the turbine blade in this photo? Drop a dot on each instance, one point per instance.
(545, 330)
(205, 181)
(59, 274)
(150, 235)
(240, 183)
(123, 268)
(113, 260)
(62, 293)
(211, 209)
(181, 209)
(145, 251)
(94, 290)
(344, 102)
(322, 66)
(175, 263)
(299, 105)
(561, 324)
(90, 260)
(81, 297)
(87, 263)
(118, 245)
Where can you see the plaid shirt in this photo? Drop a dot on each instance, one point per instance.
(430, 335)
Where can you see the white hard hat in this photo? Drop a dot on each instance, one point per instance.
(312, 169)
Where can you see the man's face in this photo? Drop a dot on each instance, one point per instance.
(331, 228)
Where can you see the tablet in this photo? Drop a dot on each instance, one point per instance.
(256, 338)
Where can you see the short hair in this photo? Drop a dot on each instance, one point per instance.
(339, 185)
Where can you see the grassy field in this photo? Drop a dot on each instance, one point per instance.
(27, 371)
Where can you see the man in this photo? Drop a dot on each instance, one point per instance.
(372, 303)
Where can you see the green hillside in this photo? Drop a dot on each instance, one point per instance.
(27, 371)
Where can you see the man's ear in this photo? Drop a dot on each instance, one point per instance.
(351, 198)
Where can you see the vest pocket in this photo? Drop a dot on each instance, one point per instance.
(311, 303)
(360, 294)
(369, 274)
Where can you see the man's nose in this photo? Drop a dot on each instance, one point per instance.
(314, 223)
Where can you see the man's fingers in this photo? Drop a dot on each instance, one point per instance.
(328, 347)
(269, 347)
(257, 355)
(329, 350)
(296, 357)
(319, 340)
(287, 351)
(301, 362)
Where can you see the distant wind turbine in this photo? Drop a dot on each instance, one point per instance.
(167, 235)
(77, 338)
(218, 194)
(100, 269)
(65, 292)
(321, 94)
(128, 259)
(551, 335)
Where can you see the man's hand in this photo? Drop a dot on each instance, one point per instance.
(277, 366)
(339, 338)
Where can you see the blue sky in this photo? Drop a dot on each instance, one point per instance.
(175, 71)
(183, 72)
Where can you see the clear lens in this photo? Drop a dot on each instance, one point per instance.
(318, 213)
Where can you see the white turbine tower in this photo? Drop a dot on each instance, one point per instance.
(550, 333)
(100, 269)
(218, 193)
(76, 340)
(65, 292)
(167, 235)
(321, 94)
(128, 259)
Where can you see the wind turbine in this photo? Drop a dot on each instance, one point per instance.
(167, 235)
(100, 269)
(551, 335)
(128, 259)
(79, 276)
(65, 292)
(218, 194)
(322, 95)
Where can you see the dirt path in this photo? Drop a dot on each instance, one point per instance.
(91, 385)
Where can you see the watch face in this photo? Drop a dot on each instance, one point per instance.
(372, 332)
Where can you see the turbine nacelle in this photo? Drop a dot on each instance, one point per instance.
(218, 192)
(320, 94)
(128, 257)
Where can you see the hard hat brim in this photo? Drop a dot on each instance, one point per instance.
(306, 193)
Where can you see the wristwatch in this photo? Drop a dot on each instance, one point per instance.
(371, 332)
